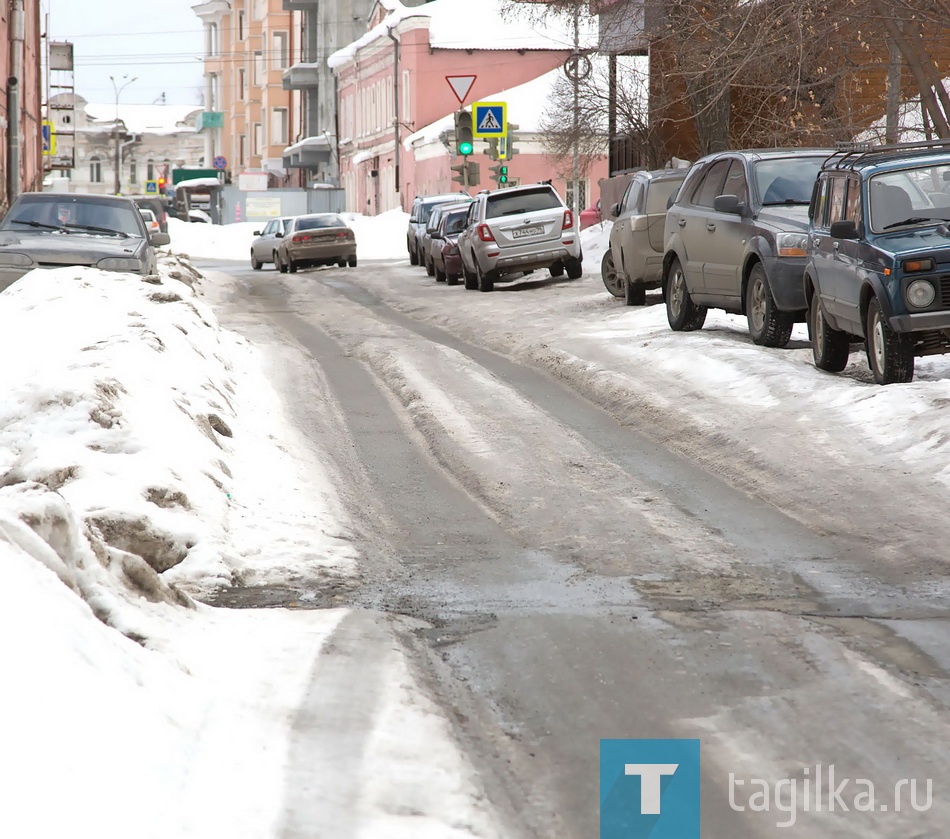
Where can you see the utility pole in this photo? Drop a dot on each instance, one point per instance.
(577, 85)
(17, 37)
(115, 130)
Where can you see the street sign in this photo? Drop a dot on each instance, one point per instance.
(489, 119)
(220, 162)
(49, 139)
(151, 187)
(461, 86)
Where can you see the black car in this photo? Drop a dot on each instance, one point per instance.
(735, 239)
(879, 258)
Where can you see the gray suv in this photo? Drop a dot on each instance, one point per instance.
(736, 239)
(422, 207)
(511, 231)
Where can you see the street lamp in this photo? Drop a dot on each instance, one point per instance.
(118, 151)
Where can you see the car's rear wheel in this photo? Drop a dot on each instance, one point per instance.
(557, 269)
(351, 262)
(681, 312)
(890, 354)
(471, 278)
(451, 279)
(279, 264)
(768, 326)
(430, 267)
(485, 283)
(575, 269)
(829, 347)
(413, 257)
(256, 264)
(292, 266)
(613, 281)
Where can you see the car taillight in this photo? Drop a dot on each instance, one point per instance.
(300, 238)
(485, 234)
(568, 220)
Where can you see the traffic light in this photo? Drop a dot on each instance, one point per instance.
(161, 184)
(506, 148)
(492, 150)
(467, 173)
(461, 169)
(499, 173)
(464, 141)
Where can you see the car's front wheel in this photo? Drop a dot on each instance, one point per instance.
(681, 312)
(413, 256)
(613, 281)
(256, 264)
(829, 347)
(768, 326)
(890, 354)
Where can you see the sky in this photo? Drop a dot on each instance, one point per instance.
(159, 43)
(132, 413)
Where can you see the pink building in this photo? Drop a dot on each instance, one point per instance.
(21, 149)
(400, 66)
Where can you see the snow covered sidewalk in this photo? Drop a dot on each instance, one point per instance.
(144, 461)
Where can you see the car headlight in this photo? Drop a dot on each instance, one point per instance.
(791, 244)
(118, 263)
(15, 260)
(920, 294)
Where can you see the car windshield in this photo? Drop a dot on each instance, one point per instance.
(72, 215)
(526, 201)
(787, 180)
(910, 197)
(315, 222)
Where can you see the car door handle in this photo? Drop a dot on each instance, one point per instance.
(682, 222)
(711, 227)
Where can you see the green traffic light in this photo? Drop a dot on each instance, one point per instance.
(503, 175)
(466, 148)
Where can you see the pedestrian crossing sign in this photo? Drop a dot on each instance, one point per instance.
(489, 119)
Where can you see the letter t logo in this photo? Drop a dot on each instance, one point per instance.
(650, 774)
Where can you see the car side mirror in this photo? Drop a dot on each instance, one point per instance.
(278, 235)
(615, 210)
(160, 239)
(845, 229)
(257, 233)
(437, 235)
(727, 204)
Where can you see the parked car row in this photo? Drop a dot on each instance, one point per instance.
(496, 236)
(294, 242)
(855, 243)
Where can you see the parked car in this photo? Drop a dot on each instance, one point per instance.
(54, 230)
(419, 216)
(430, 243)
(265, 245)
(591, 216)
(634, 261)
(523, 228)
(157, 204)
(316, 239)
(425, 239)
(151, 223)
(445, 252)
(878, 252)
(736, 237)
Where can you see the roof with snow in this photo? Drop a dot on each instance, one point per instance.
(143, 119)
(457, 24)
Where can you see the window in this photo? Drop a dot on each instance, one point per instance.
(95, 170)
(133, 172)
(631, 198)
(581, 195)
(258, 78)
(711, 185)
(279, 126)
(150, 170)
(280, 56)
(257, 139)
(852, 211)
(240, 26)
(242, 84)
(259, 9)
(837, 199)
(735, 182)
(242, 149)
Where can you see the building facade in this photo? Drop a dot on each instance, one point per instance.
(247, 118)
(21, 141)
(396, 104)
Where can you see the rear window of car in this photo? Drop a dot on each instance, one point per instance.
(320, 221)
(455, 222)
(658, 197)
(787, 180)
(523, 201)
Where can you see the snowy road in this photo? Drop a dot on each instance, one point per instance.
(607, 552)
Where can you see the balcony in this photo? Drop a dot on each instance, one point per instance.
(301, 77)
(309, 153)
(300, 5)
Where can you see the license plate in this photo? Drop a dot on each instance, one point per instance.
(520, 232)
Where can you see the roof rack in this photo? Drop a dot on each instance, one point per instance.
(849, 158)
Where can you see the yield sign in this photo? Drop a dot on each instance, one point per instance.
(461, 85)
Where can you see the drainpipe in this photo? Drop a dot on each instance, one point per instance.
(17, 36)
(395, 40)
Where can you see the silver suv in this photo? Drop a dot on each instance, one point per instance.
(510, 231)
(422, 208)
